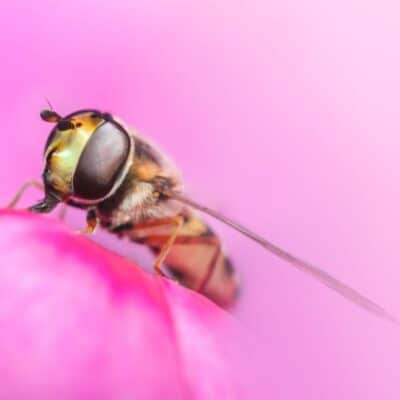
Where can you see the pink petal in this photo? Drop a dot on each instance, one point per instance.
(79, 322)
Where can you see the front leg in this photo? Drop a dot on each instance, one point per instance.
(17, 197)
(91, 223)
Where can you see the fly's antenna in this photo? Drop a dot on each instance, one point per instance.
(48, 103)
(50, 115)
(320, 275)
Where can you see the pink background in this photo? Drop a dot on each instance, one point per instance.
(282, 114)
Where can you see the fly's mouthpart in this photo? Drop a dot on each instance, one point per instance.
(45, 206)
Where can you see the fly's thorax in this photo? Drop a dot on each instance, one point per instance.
(134, 202)
(139, 196)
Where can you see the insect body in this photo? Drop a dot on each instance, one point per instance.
(94, 162)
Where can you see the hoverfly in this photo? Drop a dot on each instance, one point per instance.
(130, 188)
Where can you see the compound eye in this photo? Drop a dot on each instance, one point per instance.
(102, 162)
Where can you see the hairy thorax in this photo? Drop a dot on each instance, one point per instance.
(138, 198)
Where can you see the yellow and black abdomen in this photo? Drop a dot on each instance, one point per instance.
(195, 259)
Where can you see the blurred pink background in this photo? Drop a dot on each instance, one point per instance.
(283, 115)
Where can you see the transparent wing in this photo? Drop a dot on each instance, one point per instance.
(346, 291)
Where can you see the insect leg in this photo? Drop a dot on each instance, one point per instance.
(91, 223)
(167, 246)
(155, 241)
(17, 197)
(211, 241)
(211, 266)
(169, 240)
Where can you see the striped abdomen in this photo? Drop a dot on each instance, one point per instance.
(196, 258)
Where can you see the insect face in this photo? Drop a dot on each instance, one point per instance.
(87, 156)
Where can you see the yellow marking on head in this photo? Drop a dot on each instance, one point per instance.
(66, 149)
